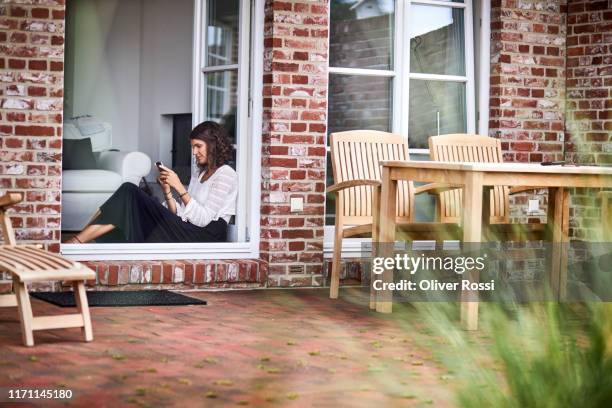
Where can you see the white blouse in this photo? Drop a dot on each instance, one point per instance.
(213, 199)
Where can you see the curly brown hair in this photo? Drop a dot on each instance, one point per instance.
(217, 143)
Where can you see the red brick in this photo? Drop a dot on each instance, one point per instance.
(279, 150)
(40, 13)
(37, 65)
(37, 91)
(58, 14)
(281, 6)
(13, 143)
(298, 127)
(16, 64)
(297, 233)
(317, 128)
(297, 174)
(15, 116)
(18, 12)
(522, 146)
(34, 130)
(282, 162)
(296, 246)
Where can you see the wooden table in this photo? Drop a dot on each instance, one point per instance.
(474, 177)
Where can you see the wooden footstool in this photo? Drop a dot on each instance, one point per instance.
(27, 264)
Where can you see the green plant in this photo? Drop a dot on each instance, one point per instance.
(550, 357)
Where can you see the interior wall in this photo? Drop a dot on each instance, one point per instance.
(130, 64)
(104, 46)
(165, 76)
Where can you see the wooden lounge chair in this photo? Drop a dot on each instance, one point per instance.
(477, 148)
(29, 263)
(357, 177)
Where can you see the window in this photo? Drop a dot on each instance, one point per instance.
(222, 48)
(401, 66)
(378, 82)
(222, 82)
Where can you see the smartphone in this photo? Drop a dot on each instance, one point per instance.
(159, 165)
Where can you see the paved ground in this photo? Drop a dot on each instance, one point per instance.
(259, 348)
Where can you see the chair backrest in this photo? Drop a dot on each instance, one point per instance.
(469, 148)
(6, 201)
(356, 155)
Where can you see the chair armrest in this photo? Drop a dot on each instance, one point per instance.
(10, 199)
(131, 166)
(436, 188)
(521, 189)
(351, 183)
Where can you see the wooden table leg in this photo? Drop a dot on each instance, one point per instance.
(375, 240)
(384, 301)
(472, 233)
(558, 224)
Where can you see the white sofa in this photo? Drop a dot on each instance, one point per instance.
(84, 191)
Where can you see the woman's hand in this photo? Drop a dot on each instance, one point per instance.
(165, 187)
(171, 179)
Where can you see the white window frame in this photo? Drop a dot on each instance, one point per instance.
(352, 247)
(249, 125)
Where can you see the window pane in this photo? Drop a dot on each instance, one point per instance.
(436, 107)
(356, 102)
(437, 43)
(359, 102)
(361, 34)
(222, 32)
(221, 99)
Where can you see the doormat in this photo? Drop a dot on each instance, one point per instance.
(119, 299)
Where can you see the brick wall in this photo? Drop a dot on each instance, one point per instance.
(31, 99)
(527, 94)
(528, 78)
(550, 91)
(294, 131)
(589, 100)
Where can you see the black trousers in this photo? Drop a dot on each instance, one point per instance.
(140, 218)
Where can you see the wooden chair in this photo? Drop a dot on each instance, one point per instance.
(477, 148)
(357, 178)
(29, 263)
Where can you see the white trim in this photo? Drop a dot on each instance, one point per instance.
(469, 68)
(197, 59)
(242, 120)
(400, 82)
(403, 67)
(351, 247)
(151, 252)
(361, 71)
(418, 151)
(438, 77)
(484, 69)
(440, 3)
(218, 68)
(255, 129)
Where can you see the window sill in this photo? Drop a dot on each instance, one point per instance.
(150, 252)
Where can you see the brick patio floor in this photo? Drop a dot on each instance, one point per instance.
(258, 348)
